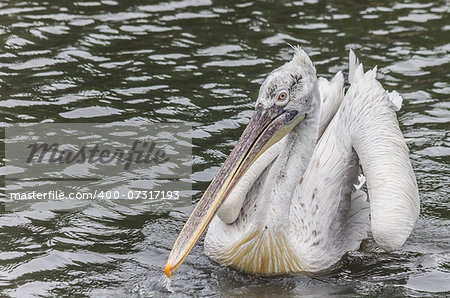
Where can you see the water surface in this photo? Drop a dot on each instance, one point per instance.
(201, 62)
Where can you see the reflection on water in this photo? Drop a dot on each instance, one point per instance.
(201, 62)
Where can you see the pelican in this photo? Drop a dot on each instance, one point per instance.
(286, 199)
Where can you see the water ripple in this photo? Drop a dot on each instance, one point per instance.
(201, 62)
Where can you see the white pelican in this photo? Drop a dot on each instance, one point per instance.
(285, 199)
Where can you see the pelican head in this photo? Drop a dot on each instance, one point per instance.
(285, 99)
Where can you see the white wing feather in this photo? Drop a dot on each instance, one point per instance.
(376, 137)
(332, 224)
(396, 100)
(365, 123)
(356, 71)
(331, 95)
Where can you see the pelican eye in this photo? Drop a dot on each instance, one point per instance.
(282, 95)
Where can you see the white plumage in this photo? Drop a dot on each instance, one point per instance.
(296, 208)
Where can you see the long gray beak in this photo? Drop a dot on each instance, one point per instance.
(266, 127)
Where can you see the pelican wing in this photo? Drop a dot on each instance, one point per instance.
(331, 96)
(379, 143)
(365, 127)
(328, 215)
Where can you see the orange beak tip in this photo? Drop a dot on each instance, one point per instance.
(167, 270)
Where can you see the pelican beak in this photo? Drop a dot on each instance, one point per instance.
(266, 127)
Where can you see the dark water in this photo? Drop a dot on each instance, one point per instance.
(201, 62)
